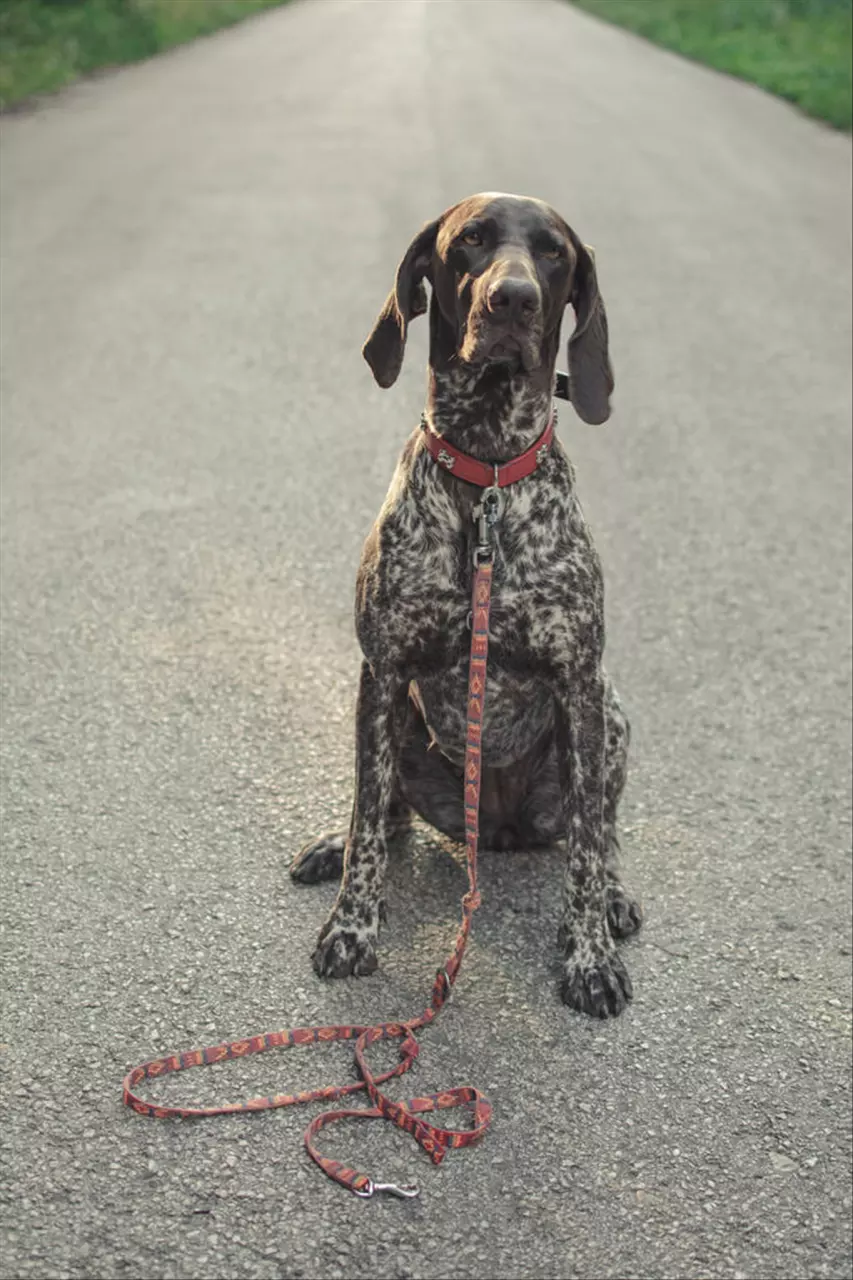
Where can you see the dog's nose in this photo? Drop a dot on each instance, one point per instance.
(513, 298)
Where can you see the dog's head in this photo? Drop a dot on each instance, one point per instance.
(502, 269)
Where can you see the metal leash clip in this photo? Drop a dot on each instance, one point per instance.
(487, 514)
(407, 1192)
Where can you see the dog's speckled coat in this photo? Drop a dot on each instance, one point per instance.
(555, 739)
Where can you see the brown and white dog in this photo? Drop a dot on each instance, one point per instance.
(503, 269)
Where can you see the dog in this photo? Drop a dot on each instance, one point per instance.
(502, 271)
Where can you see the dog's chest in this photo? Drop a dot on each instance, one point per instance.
(429, 582)
(517, 711)
(430, 577)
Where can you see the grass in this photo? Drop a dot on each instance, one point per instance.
(798, 49)
(45, 44)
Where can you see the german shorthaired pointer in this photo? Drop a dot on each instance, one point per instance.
(502, 270)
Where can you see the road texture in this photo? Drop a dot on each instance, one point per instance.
(193, 450)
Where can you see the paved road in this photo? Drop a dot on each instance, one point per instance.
(193, 450)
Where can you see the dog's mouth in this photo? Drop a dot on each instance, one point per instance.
(505, 348)
(511, 354)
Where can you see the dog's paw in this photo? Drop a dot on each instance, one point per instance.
(322, 859)
(624, 915)
(600, 988)
(345, 948)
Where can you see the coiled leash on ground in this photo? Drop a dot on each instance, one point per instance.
(436, 1141)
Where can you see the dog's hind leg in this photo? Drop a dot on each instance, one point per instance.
(434, 787)
(323, 859)
(430, 783)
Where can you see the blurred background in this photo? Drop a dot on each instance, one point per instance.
(799, 49)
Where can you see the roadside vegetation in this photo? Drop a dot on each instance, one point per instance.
(45, 44)
(801, 50)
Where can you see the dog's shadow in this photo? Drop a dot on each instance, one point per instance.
(520, 899)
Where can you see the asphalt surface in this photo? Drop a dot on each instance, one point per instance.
(193, 450)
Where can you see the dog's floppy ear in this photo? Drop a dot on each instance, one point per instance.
(384, 349)
(590, 374)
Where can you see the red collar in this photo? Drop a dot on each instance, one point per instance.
(486, 474)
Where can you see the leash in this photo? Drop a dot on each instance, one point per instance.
(434, 1139)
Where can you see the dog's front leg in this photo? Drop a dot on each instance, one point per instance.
(347, 941)
(595, 980)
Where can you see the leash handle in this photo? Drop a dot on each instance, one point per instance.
(434, 1139)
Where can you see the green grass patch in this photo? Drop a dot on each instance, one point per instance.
(801, 50)
(45, 44)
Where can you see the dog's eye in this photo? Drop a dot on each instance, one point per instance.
(472, 238)
(551, 252)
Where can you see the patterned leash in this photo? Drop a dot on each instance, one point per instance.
(436, 1141)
